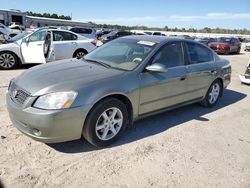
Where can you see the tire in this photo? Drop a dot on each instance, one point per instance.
(79, 54)
(213, 94)
(238, 51)
(100, 128)
(227, 51)
(8, 60)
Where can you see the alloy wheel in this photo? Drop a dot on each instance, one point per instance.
(109, 124)
(80, 55)
(7, 60)
(214, 93)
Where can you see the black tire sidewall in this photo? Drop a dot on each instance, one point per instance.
(15, 64)
(89, 132)
(79, 51)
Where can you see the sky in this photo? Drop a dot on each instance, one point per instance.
(153, 13)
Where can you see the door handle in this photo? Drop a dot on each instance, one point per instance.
(39, 44)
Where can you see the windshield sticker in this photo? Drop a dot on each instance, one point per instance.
(148, 43)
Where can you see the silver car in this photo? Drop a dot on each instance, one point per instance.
(99, 96)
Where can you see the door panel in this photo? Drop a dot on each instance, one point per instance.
(32, 52)
(64, 49)
(201, 69)
(199, 78)
(161, 90)
(64, 44)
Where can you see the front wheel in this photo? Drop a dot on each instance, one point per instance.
(213, 94)
(106, 122)
(8, 60)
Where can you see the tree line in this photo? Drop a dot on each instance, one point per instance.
(166, 28)
(48, 15)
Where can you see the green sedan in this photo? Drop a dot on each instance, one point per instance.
(101, 95)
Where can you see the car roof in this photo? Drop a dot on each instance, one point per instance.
(156, 39)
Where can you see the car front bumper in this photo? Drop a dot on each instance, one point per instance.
(219, 50)
(48, 126)
(245, 79)
(247, 48)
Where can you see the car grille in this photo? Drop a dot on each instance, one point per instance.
(17, 94)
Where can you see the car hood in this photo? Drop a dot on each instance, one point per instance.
(9, 45)
(64, 75)
(218, 43)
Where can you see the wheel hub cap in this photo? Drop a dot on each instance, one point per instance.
(214, 93)
(109, 124)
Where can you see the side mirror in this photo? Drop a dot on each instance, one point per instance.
(157, 67)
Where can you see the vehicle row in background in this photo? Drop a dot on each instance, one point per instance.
(44, 45)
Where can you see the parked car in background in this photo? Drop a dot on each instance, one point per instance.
(5, 30)
(10, 31)
(245, 78)
(226, 45)
(114, 34)
(148, 33)
(206, 41)
(124, 80)
(185, 37)
(100, 33)
(16, 29)
(247, 46)
(84, 31)
(157, 33)
(44, 45)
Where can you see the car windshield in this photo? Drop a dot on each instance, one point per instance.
(125, 54)
(223, 39)
(18, 37)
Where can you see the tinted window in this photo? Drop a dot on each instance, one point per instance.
(63, 36)
(82, 30)
(123, 33)
(198, 54)
(170, 55)
(38, 36)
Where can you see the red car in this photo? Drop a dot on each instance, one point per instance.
(226, 45)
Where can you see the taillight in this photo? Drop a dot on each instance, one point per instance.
(94, 43)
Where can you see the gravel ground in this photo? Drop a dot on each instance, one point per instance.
(187, 147)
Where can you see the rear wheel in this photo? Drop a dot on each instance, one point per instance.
(8, 60)
(238, 51)
(106, 122)
(227, 51)
(213, 94)
(79, 54)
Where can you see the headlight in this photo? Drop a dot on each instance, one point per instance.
(54, 101)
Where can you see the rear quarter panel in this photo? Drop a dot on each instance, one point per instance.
(224, 71)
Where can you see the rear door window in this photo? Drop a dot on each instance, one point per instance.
(63, 36)
(198, 54)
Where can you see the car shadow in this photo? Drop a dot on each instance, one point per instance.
(155, 124)
(27, 66)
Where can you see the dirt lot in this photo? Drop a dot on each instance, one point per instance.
(188, 147)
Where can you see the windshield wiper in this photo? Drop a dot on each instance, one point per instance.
(98, 62)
